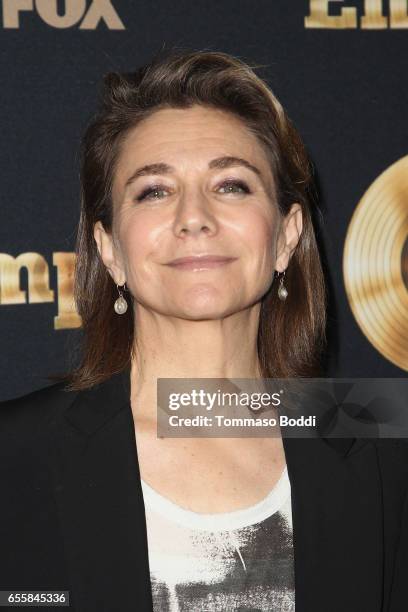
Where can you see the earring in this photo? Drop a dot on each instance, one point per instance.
(120, 304)
(282, 291)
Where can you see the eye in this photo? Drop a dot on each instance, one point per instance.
(151, 193)
(231, 184)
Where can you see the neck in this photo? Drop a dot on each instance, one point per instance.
(170, 347)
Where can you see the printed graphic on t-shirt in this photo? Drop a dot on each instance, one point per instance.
(224, 562)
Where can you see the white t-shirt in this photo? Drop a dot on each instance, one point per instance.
(222, 562)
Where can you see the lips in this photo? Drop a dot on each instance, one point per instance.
(201, 263)
(200, 259)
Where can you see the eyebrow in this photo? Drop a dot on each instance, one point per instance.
(227, 161)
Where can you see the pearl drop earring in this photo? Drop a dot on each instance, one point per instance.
(120, 304)
(282, 291)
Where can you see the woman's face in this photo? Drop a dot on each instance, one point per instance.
(191, 182)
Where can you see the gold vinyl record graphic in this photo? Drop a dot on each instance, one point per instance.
(375, 263)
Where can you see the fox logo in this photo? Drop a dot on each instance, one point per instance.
(75, 11)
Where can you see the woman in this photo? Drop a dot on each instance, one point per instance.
(192, 156)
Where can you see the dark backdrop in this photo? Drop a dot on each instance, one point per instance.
(344, 88)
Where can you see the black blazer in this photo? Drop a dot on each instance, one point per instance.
(72, 513)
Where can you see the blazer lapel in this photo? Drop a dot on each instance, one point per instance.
(100, 501)
(337, 524)
(336, 508)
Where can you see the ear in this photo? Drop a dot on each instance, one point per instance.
(289, 235)
(108, 253)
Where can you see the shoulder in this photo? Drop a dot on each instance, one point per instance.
(392, 464)
(392, 453)
(29, 417)
(36, 404)
(384, 461)
(390, 457)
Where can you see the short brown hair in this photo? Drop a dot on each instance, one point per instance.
(291, 334)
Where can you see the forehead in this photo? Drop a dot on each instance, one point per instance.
(196, 121)
(187, 138)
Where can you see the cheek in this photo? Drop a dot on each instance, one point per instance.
(137, 243)
(259, 235)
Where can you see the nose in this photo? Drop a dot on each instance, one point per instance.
(194, 214)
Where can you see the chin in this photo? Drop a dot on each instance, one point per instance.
(201, 312)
